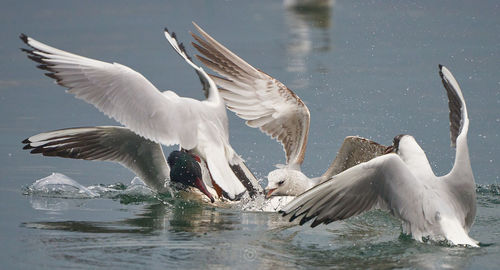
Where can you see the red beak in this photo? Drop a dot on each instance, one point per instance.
(269, 192)
(201, 186)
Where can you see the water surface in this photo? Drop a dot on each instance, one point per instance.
(365, 68)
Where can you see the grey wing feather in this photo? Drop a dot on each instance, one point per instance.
(258, 98)
(354, 150)
(107, 143)
(456, 104)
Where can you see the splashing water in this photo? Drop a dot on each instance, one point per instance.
(58, 185)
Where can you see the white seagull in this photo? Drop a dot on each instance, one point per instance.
(404, 183)
(269, 105)
(151, 117)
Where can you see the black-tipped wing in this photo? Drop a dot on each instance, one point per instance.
(181, 50)
(258, 98)
(354, 150)
(117, 144)
(384, 181)
(123, 94)
(456, 104)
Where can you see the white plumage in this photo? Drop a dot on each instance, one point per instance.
(269, 105)
(166, 118)
(404, 183)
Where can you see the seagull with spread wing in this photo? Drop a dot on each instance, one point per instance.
(269, 105)
(150, 117)
(403, 183)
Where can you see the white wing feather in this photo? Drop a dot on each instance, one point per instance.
(127, 96)
(384, 180)
(123, 94)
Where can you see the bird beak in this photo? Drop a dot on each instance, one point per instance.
(389, 149)
(269, 192)
(201, 186)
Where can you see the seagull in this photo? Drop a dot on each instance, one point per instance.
(403, 182)
(119, 144)
(150, 117)
(267, 104)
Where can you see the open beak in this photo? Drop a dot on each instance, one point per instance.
(201, 186)
(269, 192)
(389, 149)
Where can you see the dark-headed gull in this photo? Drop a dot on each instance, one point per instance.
(403, 182)
(269, 105)
(160, 117)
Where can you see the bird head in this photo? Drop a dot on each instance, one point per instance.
(185, 169)
(286, 182)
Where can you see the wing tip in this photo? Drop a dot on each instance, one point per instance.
(196, 26)
(441, 71)
(24, 38)
(27, 147)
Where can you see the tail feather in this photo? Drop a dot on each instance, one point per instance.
(455, 233)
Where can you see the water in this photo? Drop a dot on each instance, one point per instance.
(365, 68)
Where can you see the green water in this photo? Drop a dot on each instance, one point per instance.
(365, 68)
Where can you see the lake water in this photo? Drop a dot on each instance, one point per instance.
(365, 68)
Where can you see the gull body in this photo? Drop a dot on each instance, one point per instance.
(267, 104)
(150, 117)
(441, 208)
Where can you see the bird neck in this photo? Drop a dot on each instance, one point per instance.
(416, 160)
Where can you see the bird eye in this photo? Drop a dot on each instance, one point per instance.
(281, 182)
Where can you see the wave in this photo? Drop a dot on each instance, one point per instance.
(488, 194)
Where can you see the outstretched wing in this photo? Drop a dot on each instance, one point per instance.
(460, 180)
(121, 93)
(258, 98)
(354, 150)
(208, 84)
(118, 144)
(384, 180)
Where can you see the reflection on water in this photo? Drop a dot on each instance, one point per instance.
(172, 232)
(182, 216)
(308, 28)
(181, 232)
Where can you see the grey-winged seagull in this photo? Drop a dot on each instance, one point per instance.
(403, 183)
(150, 117)
(269, 105)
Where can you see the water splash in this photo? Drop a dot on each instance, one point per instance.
(260, 204)
(488, 194)
(58, 185)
